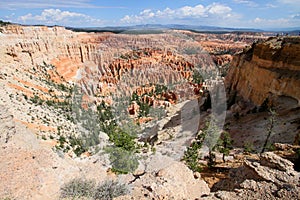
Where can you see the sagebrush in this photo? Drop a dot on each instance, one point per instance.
(79, 188)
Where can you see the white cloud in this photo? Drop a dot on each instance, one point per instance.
(212, 14)
(58, 17)
(294, 3)
(292, 21)
(218, 9)
(297, 16)
(9, 4)
(269, 5)
(246, 2)
(289, 1)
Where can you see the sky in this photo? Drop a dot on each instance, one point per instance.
(262, 14)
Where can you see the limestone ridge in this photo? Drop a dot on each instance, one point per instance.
(266, 73)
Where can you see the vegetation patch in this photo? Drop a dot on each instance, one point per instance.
(145, 106)
(209, 134)
(79, 188)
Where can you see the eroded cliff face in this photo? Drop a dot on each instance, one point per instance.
(263, 77)
(267, 73)
(30, 46)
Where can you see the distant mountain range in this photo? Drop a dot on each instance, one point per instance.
(160, 27)
(157, 28)
(152, 28)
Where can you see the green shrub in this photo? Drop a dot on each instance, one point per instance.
(270, 128)
(7, 198)
(35, 99)
(191, 158)
(159, 89)
(4, 23)
(122, 161)
(78, 187)
(197, 77)
(224, 144)
(122, 139)
(109, 190)
(191, 155)
(209, 135)
(144, 109)
(77, 145)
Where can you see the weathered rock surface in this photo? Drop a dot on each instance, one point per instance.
(172, 181)
(271, 177)
(266, 72)
(267, 75)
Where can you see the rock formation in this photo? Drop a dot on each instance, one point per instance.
(267, 70)
(265, 76)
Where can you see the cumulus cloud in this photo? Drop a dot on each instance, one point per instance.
(58, 17)
(212, 13)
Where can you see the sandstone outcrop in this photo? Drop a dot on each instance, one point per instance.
(266, 72)
(264, 76)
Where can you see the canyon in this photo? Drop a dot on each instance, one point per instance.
(53, 81)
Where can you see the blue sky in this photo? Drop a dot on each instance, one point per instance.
(263, 14)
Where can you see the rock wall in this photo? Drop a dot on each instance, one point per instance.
(266, 73)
